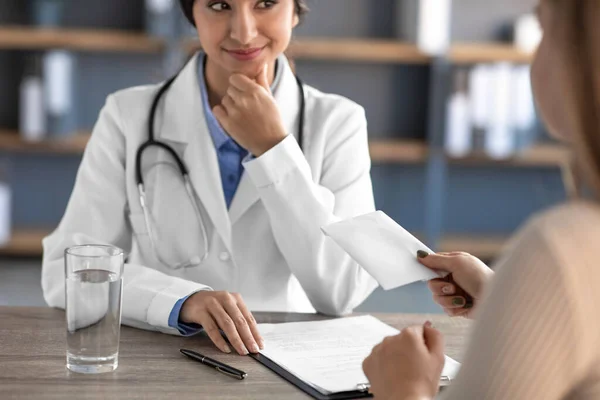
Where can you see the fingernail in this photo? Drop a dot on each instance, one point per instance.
(244, 351)
(448, 290)
(422, 254)
(458, 301)
(262, 344)
(428, 324)
(255, 348)
(227, 349)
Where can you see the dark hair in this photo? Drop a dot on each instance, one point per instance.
(187, 6)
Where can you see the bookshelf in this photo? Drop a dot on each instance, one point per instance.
(356, 50)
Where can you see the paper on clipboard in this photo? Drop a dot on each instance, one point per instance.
(328, 355)
(383, 248)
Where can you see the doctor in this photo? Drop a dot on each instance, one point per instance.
(219, 200)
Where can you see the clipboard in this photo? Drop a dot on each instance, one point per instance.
(361, 392)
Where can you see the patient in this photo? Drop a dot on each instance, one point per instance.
(537, 334)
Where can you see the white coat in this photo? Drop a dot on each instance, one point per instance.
(268, 246)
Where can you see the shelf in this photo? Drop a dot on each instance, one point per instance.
(398, 151)
(539, 156)
(408, 151)
(391, 51)
(354, 50)
(476, 53)
(380, 51)
(25, 242)
(28, 242)
(483, 247)
(101, 40)
(10, 141)
(382, 151)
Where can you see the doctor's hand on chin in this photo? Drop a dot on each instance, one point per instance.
(216, 311)
(249, 113)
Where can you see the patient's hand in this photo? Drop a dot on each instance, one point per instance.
(226, 311)
(407, 366)
(467, 280)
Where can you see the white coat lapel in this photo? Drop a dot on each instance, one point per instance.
(184, 122)
(287, 96)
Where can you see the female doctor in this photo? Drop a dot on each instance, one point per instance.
(223, 214)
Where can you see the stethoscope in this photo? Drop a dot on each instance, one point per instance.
(152, 142)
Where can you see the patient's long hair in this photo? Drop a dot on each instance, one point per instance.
(579, 43)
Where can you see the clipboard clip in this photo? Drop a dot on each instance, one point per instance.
(363, 387)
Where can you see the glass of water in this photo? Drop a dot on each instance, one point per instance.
(94, 287)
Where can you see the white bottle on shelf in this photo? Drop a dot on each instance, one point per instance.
(161, 19)
(5, 212)
(426, 23)
(59, 78)
(500, 138)
(528, 33)
(32, 109)
(480, 89)
(523, 107)
(458, 138)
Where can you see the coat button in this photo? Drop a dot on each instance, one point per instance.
(224, 256)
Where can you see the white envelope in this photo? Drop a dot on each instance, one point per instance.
(383, 248)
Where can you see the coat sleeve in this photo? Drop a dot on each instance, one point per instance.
(298, 208)
(96, 214)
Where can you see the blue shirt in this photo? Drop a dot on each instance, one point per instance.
(229, 153)
(230, 156)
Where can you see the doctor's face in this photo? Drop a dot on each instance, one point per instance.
(241, 36)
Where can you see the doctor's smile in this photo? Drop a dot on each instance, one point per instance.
(245, 55)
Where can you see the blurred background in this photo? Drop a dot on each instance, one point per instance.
(460, 157)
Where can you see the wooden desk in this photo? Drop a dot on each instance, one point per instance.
(32, 361)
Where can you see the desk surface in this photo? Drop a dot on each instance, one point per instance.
(32, 361)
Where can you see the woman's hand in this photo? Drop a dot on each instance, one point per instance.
(249, 114)
(407, 366)
(468, 278)
(226, 311)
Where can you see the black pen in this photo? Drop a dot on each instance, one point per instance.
(219, 366)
